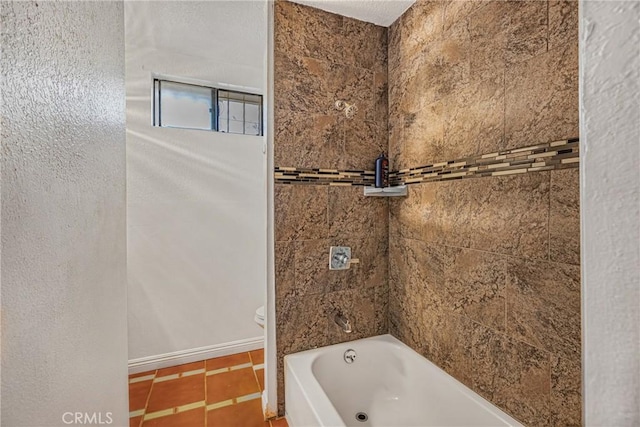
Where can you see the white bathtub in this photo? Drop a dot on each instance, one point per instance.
(388, 381)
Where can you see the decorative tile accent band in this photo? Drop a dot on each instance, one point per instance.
(552, 155)
(287, 175)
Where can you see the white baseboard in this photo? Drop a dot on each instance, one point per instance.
(194, 355)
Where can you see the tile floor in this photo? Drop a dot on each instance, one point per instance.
(221, 392)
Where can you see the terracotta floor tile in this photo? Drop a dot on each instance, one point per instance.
(257, 356)
(178, 392)
(260, 377)
(192, 418)
(135, 421)
(245, 414)
(138, 393)
(142, 374)
(180, 368)
(228, 361)
(280, 422)
(228, 385)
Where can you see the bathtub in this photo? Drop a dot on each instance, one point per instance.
(387, 384)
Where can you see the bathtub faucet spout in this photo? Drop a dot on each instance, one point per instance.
(342, 321)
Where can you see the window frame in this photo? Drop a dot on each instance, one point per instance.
(214, 112)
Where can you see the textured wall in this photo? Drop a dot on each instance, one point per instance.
(319, 58)
(484, 274)
(610, 83)
(64, 326)
(196, 257)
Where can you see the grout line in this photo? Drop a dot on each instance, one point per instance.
(218, 405)
(146, 403)
(217, 371)
(166, 378)
(190, 373)
(205, 395)
(141, 379)
(189, 406)
(237, 367)
(549, 219)
(248, 397)
(133, 414)
(158, 414)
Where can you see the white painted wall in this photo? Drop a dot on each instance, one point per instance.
(64, 345)
(196, 199)
(610, 200)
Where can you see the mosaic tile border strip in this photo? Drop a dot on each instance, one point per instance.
(316, 176)
(549, 156)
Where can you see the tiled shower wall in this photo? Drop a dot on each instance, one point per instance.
(484, 273)
(320, 58)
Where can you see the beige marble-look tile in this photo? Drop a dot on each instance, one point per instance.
(397, 158)
(474, 119)
(300, 212)
(450, 344)
(527, 30)
(406, 214)
(397, 271)
(456, 11)
(301, 323)
(381, 100)
(374, 261)
(415, 275)
(284, 253)
(506, 32)
(475, 285)
(364, 45)
(541, 98)
(564, 217)
(423, 135)
(488, 40)
(363, 142)
(419, 25)
(381, 306)
(358, 306)
(311, 266)
(280, 380)
(307, 141)
(566, 395)
(302, 84)
(353, 85)
(304, 31)
(417, 269)
(543, 306)
(515, 218)
(563, 22)
(353, 214)
(405, 323)
(513, 375)
(448, 212)
(506, 214)
(443, 68)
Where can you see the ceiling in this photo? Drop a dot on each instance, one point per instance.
(380, 12)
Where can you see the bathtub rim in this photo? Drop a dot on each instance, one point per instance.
(325, 411)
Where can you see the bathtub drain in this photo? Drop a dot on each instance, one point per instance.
(362, 417)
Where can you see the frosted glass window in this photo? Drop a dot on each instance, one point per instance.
(185, 106)
(182, 105)
(239, 113)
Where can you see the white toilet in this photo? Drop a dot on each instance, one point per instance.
(259, 317)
